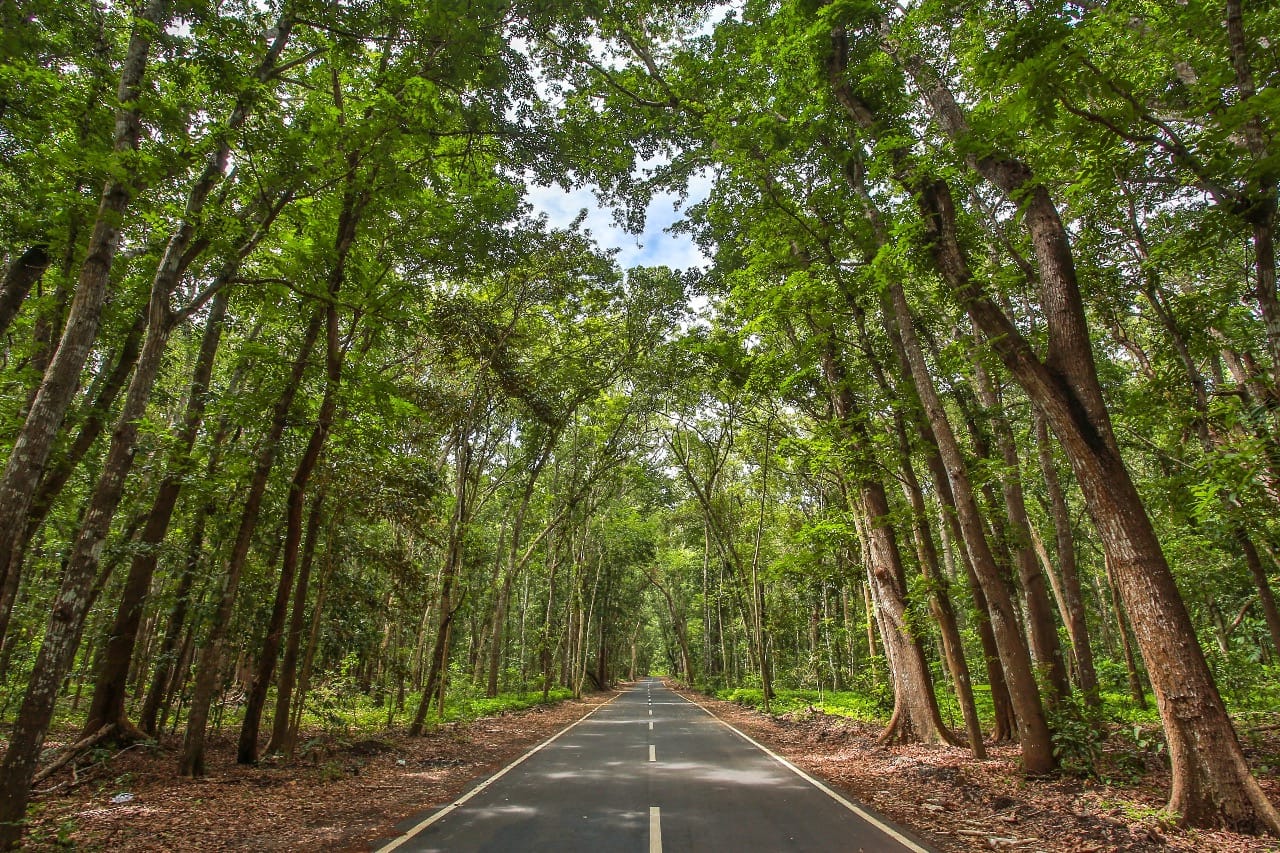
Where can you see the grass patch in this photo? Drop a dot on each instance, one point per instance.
(850, 704)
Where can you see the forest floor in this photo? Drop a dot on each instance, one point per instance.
(958, 804)
(340, 793)
(347, 793)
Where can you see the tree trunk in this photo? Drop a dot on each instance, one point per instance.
(1045, 648)
(78, 590)
(1265, 596)
(22, 274)
(313, 641)
(1212, 784)
(1033, 730)
(1073, 613)
(247, 751)
(1136, 692)
(940, 598)
(35, 440)
(210, 664)
(102, 396)
(107, 705)
(280, 730)
(448, 577)
(916, 716)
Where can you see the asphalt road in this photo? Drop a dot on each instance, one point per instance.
(651, 771)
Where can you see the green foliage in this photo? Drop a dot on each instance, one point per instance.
(1079, 737)
(853, 705)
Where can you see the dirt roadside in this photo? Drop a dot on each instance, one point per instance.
(349, 793)
(958, 804)
(340, 794)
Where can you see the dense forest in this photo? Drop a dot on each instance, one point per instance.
(971, 417)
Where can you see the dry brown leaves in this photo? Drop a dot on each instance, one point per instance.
(956, 803)
(345, 795)
(339, 795)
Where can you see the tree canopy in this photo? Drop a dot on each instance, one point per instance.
(971, 412)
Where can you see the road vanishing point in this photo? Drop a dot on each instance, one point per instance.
(651, 771)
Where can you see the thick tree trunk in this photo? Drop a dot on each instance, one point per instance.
(916, 716)
(78, 590)
(1212, 784)
(1125, 631)
(1033, 730)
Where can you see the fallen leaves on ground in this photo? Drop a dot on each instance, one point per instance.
(349, 793)
(955, 803)
(340, 793)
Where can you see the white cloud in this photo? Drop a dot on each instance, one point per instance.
(652, 247)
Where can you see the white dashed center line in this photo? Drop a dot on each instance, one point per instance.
(655, 830)
(653, 752)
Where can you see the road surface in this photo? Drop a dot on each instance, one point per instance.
(650, 771)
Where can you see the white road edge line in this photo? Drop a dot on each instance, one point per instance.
(655, 829)
(653, 752)
(438, 815)
(848, 804)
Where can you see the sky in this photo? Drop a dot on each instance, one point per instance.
(654, 247)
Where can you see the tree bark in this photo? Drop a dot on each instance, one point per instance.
(35, 440)
(247, 751)
(1073, 613)
(448, 577)
(1212, 784)
(916, 716)
(1045, 648)
(107, 705)
(210, 664)
(280, 740)
(1015, 658)
(22, 274)
(940, 597)
(78, 590)
(1259, 200)
(102, 397)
